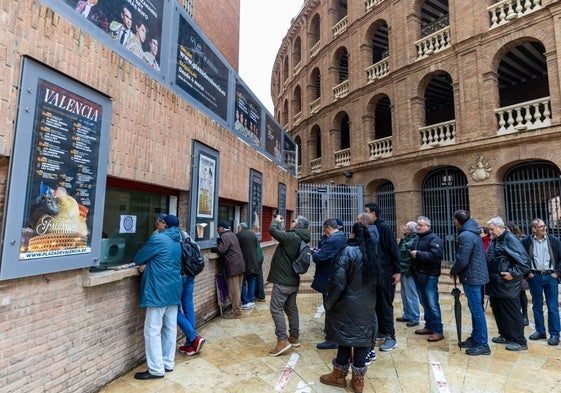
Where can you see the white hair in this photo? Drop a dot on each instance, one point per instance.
(412, 226)
(496, 221)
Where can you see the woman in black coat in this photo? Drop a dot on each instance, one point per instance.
(350, 308)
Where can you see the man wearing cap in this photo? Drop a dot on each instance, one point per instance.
(228, 247)
(160, 293)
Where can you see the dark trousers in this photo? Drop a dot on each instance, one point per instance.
(509, 318)
(354, 355)
(385, 293)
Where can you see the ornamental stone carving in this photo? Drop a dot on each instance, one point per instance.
(481, 170)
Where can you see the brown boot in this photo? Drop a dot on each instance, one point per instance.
(337, 376)
(357, 380)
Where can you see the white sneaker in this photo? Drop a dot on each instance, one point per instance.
(247, 306)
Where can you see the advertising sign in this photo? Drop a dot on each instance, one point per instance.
(56, 196)
(200, 72)
(247, 120)
(273, 139)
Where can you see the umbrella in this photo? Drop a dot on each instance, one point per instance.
(457, 310)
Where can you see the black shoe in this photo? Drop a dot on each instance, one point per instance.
(537, 336)
(168, 370)
(327, 345)
(499, 340)
(412, 323)
(513, 346)
(401, 319)
(479, 349)
(553, 340)
(526, 320)
(146, 375)
(469, 343)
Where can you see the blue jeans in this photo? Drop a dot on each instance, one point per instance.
(428, 296)
(248, 288)
(478, 321)
(409, 299)
(540, 285)
(160, 334)
(186, 313)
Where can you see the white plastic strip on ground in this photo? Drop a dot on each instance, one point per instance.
(319, 312)
(286, 373)
(440, 378)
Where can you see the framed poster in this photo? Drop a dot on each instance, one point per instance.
(255, 201)
(281, 197)
(273, 139)
(247, 116)
(204, 195)
(56, 192)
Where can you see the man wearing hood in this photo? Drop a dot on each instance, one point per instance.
(286, 281)
(471, 267)
(160, 292)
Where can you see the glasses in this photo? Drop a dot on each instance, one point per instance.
(540, 226)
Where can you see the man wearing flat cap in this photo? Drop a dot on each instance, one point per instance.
(228, 247)
(160, 293)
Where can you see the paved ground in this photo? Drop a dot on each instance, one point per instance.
(234, 359)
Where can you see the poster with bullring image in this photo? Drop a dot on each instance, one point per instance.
(134, 24)
(56, 191)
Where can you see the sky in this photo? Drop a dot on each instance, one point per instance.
(263, 25)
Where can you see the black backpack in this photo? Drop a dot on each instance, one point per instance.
(192, 262)
(303, 259)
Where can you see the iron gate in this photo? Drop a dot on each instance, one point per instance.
(385, 198)
(445, 191)
(532, 190)
(319, 202)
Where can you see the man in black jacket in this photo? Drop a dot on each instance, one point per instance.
(390, 274)
(507, 262)
(427, 259)
(545, 253)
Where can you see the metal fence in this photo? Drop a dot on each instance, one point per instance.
(319, 202)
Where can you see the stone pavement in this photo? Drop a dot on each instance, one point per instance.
(235, 359)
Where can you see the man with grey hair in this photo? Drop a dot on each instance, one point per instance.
(409, 296)
(545, 254)
(427, 254)
(508, 263)
(286, 281)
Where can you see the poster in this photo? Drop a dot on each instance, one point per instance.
(200, 72)
(60, 195)
(134, 24)
(273, 139)
(255, 200)
(247, 119)
(207, 170)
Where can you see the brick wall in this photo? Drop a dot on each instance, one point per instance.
(76, 331)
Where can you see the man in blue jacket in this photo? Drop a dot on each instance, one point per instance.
(323, 257)
(160, 292)
(471, 267)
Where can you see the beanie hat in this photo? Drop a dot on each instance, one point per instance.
(339, 222)
(171, 221)
(224, 225)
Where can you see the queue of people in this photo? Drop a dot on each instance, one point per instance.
(357, 277)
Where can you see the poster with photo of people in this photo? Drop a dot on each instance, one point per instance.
(247, 116)
(134, 24)
(273, 139)
(200, 72)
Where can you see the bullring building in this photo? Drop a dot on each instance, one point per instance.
(431, 105)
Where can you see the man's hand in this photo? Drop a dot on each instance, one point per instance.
(507, 276)
(141, 268)
(396, 278)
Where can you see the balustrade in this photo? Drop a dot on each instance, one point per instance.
(340, 27)
(341, 90)
(380, 148)
(524, 116)
(378, 70)
(440, 134)
(343, 158)
(504, 11)
(433, 43)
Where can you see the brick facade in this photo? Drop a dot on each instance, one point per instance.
(76, 331)
(471, 61)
